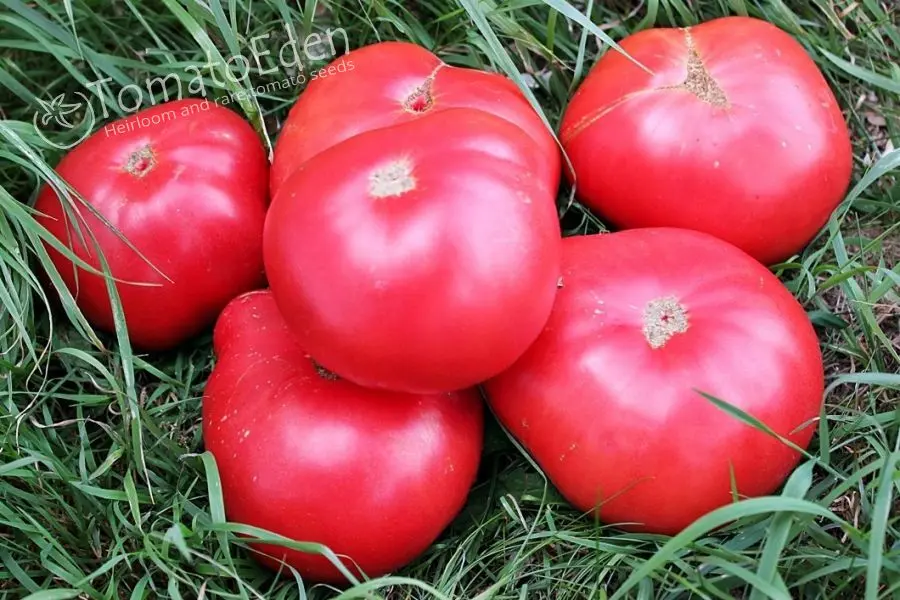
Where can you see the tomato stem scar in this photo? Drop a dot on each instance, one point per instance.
(141, 161)
(421, 99)
(698, 81)
(393, 179)
(663, 318)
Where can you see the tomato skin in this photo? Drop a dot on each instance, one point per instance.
(612, 419)
(196, 214)
(431, 286)
(373, 475)
(763, 173)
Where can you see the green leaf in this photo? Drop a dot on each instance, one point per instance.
(59, 594)
(797, 486)
(716, 519)
(881, 514)
(876, 79)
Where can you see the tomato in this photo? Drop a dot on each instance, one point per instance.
(608, 399)
(374, 475)
(185, 182)
(413, 241)
(733, 132)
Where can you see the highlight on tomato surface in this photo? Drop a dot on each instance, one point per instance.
(185, 184)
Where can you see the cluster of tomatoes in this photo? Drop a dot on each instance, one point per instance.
(411, 254)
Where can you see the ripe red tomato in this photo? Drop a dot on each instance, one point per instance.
(186, 183)
(374, 475)
(413, 240)
(607, 400)
(734, 132)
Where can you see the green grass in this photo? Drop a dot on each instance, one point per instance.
(105, 492)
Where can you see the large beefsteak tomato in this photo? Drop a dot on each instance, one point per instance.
(185, 183)
(610, 399)
(374, 475)
(413, 241)
(731, 130)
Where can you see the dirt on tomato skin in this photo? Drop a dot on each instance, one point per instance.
(323, 372)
